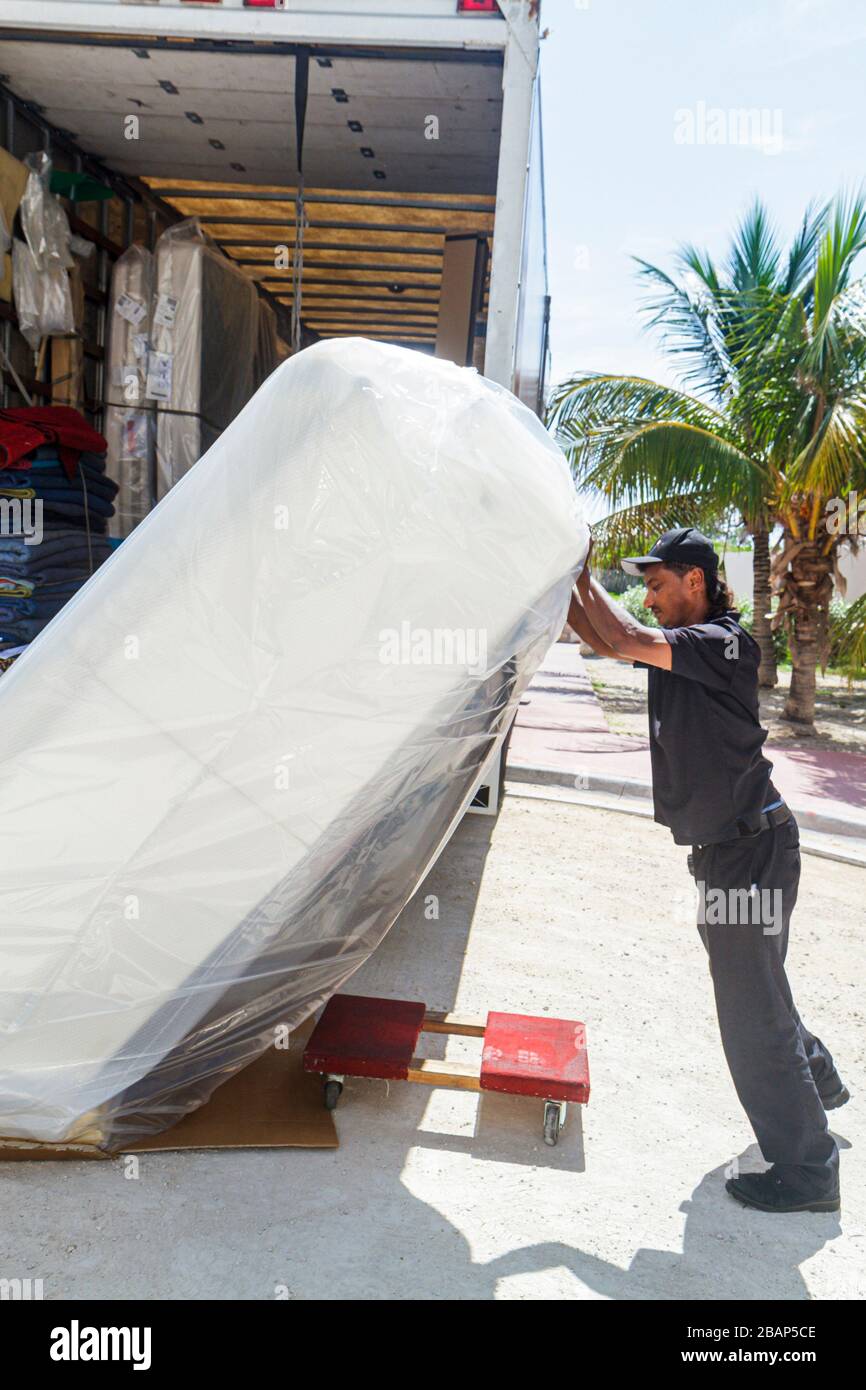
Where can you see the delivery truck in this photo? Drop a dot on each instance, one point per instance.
(373, 169)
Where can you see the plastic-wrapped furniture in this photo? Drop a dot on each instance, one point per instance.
(232, 759)
(205, 341)
(130, 419)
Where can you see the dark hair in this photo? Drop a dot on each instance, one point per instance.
(719, 595)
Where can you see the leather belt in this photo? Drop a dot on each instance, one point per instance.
(765, 821)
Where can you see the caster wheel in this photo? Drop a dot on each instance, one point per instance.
(552, 1123)
(333, 1091)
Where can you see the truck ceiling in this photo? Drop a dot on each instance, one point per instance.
(399, 151)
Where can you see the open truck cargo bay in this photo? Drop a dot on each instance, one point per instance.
(420, 134)
(362, 175)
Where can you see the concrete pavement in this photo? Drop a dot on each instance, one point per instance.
(561, 736)
(442, 1195)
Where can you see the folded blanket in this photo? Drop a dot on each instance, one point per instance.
(51, 575)
(68, 496)
(68, 511)
(53, 477)
(57, 538)
(26, 428)
(25, 630)
(49, 454)
(13, 610)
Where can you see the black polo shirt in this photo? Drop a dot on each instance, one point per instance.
(705, 735)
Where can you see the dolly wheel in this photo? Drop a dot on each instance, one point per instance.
(551, 1121)
(333, 1091)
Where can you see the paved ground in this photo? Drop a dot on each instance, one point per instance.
(563, 725)
(562, 908)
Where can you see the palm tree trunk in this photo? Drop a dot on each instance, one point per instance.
(761, 630)
(803, 641)
(805, 588)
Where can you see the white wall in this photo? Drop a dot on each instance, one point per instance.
(738, 571)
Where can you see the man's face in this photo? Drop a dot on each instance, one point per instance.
(671, 597)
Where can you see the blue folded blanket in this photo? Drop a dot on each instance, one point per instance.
(14, 609)
(42, 479)
(59, 494)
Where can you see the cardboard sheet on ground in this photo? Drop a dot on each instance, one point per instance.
(229, 762)
(271, 1104)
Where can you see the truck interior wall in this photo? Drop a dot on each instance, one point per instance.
(108, 225)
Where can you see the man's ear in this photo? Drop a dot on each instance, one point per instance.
(696, 579)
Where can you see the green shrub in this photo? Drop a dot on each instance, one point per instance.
(780, 637)
(632, 601)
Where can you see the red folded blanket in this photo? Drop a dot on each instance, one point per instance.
(25, 428)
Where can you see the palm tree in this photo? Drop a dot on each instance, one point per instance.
(812, 364)
(774, 349)
(698, 454)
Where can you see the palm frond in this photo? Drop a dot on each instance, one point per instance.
(584, 401)
(836, 453)
(753, 262)
(689, 330)
(801, 257)
(632, 530)
(841, 243)
(850, 638)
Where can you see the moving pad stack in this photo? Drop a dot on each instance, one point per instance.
(57, 501)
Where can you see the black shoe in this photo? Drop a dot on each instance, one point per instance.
(769, 1191)
(840, 1096)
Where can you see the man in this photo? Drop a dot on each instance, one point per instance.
(712, 788)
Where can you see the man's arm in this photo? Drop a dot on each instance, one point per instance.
(579, 623)
(622, 634)
(628, 638)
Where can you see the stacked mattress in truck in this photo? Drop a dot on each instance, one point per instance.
(130, 423)
(191, 341)
(205, 349)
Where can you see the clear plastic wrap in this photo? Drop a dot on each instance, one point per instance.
(205, 340)
(40, 283)
(130, 418)
(43, 301)
(230, 761)
(43, 221)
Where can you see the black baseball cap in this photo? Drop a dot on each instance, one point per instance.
(684, 546)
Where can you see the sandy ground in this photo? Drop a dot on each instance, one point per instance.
(437, 1195)
(840, 707)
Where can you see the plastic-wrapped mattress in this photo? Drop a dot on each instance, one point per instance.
(230, 761)
(207, 339)
(130, 423)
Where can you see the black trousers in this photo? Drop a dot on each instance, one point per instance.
(747, 889)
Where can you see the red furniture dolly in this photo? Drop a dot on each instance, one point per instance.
(524, 1056)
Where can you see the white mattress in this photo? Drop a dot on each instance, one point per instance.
(219, 787)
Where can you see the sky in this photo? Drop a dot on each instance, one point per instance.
(639, 155)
